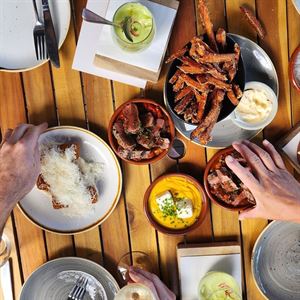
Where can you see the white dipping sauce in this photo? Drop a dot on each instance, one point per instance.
(254, 107)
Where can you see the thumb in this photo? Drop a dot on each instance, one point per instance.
(251, 213)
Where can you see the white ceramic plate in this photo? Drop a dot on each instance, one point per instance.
(297, 5)
(37, 205)
(17, 20)
(44, 283)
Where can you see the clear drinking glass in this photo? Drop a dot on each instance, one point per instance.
(141, 26)
(136, 259)
(134, 291)
(219, 286)
(5, 249)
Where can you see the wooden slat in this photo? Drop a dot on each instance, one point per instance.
(185, 25)
(97, 95)
(136, 181)
(12, 112)
(276, 45)
(250, 228)
(40, 108)
(14, 259)
(225, 223)
(67, 85)
(39, 96)
(71, 111)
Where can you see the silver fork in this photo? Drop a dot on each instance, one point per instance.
(39, 36)
(79, 289)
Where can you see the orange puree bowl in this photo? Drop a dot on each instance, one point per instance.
(173, 231)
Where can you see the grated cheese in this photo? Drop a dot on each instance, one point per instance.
(69, 178)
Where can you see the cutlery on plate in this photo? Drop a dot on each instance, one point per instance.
(79, 289)
(39, 36)
(91, 17)
(51, 41)
(5, 279)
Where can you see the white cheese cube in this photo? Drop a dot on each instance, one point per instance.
(184, 208)
(165, 199)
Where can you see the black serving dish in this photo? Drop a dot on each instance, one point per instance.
(227, 108)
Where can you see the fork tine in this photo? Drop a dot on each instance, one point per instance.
(39, 43)
(42, 47)
(36, 47)
(81, 294)
(45, 52)
(75, 287)
(78, 292)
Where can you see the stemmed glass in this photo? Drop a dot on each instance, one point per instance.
(140, 260)
(136, 259)
(5, 249)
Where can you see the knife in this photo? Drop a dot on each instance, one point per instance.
(51, 41)
(5, 279)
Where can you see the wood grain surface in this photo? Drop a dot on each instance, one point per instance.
(67, 97)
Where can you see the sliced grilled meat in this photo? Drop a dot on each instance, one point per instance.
(132, 123)
(136, 155)
(147, 120)
(124, 140)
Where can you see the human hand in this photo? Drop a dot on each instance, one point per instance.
(19, 162)
(276, 191)
(157, 287)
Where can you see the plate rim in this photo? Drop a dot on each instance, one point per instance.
(4, 70)
(271, 224)
(70, 258)
(111, 209)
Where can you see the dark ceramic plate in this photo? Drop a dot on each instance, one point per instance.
(228, 107)
(276, 261)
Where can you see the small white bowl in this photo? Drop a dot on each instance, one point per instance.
(270, 94)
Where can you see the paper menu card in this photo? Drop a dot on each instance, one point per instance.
(195, 262)
(146, 63)
(86, 49)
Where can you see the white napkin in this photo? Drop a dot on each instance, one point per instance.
(87, 45)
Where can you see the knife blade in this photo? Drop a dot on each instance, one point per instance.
(51, 41)
(5, 279)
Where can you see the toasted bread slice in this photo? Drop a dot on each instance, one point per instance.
(43, 185)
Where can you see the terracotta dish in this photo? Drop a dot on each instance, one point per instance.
(199, 203)
(295, 63)
(135, 144)
(236, 192)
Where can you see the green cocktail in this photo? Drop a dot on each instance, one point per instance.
(137, 26)
(219, 286)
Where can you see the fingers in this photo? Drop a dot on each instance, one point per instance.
(242, 173)
(249, 214)
(161, 289)
(274, 154)
(263, 155)
(18, 133)
(139, 278)
(252, 159)
(6, 136)
(33, 133)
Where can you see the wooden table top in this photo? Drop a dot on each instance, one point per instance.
(66, 97)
